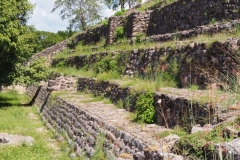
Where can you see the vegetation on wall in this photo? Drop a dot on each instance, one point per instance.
(145, 111)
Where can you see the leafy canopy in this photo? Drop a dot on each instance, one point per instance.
(43, 39)
(114, 4)
(33, 73)
(81, 13)
(14, 38)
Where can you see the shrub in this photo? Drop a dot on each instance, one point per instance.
(138, 37)
(104, 65)
(119, 32)
(145, 108)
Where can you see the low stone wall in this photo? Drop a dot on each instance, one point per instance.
(63, 83)
(137, 23)
(200, 30)
(171, 110)
(91, 36)
(196, 63)
(37, 94)
(83, 129)
(49, 52)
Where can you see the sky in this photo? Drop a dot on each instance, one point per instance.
(44, 20)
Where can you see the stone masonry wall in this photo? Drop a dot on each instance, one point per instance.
(171, 110)
(179, 16)
(83, 129)
(187, 14)
(114, 22)
(91, 36)
(137, 22)
(49, 52)
(221, 58)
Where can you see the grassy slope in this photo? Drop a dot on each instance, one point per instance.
(22, 120)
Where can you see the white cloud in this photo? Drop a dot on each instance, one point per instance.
(108, 12)
(44, 20)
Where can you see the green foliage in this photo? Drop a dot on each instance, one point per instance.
(200, 145)
(114, 4)
(44, 39)
(119, 32)
(104, 65)
(138, 37)
(105, 22)
(145, 108)
(37, 71)
(99, 154)
(119, 13)
(15, 44)
(17, 119)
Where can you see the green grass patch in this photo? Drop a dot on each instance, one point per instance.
(17, 119)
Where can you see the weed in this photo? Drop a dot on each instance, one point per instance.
(145, 108)
(119, 32)
(99, 153)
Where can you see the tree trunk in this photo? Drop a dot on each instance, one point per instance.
(122, 2)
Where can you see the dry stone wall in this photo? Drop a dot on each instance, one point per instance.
(171, 110)
(187, 14)
(197, 63)
(91, 36)
(114, 22)
(49, 52)
(62, 83)
(137, 22)
(83, 129)
(199, 30)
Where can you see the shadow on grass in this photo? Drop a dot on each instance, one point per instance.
(12, 99)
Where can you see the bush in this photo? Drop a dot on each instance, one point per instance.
(145, 108)
(138, 37)
(119, 32)
(37, 71)
(105, 65)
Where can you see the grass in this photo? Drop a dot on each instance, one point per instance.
(124, 45)
(18, 119)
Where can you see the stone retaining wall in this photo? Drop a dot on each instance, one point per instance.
(91, 36)
(49, 52)
(186, 14)
(197, 63)
(83, 129)
(199, 30)
(171, 110)
(178, 16)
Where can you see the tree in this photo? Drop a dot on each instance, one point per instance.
(43, 39)
(36, 71)
(114, 4)
(14, 38)
(81, 13)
